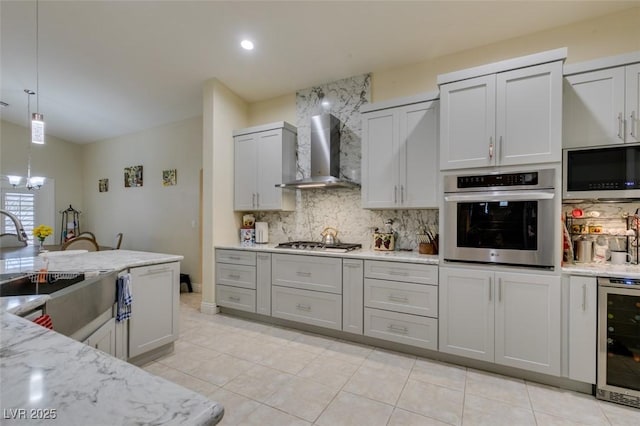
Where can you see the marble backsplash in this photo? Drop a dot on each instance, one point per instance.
(339, 208)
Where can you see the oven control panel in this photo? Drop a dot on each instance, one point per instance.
(507, 179)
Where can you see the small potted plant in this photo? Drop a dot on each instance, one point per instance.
(41, 232)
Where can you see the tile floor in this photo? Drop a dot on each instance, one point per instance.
(269, 375)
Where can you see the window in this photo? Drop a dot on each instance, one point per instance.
(21, 204)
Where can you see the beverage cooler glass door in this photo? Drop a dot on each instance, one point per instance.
(619, 342)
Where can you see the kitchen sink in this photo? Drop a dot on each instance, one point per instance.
(23, 286)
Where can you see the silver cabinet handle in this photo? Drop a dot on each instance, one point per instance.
(350, 265)
(499, 150)
(234, 276)
(584, 297)
(234, 298)
(395, 194)
(633, 125)
(303, 274)
(397, 329)
(620, 130)
(490, 147)
(399, 299)
(399, 273)
(253, 200)
(234, 257)
(490, 285)
(302, 307)
(401, 194)
(263, 256)
(499, 289)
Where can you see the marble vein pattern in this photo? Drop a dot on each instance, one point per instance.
(41, 369)
(339, 208)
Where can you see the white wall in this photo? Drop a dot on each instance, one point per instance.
(152, 217)
(57, 159)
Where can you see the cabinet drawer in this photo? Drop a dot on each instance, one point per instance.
(236, 275)
(239, 257)
(308, 272)
(236, 298)
(311, 307)
(401, 328)
(417, 299)
(396, 271)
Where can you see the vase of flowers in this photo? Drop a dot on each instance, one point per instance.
(41, 232)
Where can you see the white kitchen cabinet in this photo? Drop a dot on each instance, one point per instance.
(352, 290)
(310, 307)
(397, 327)
(507, 318)
(155, 291)
(236, 279)
(399, 154)
(104, 338)
(506, 118)
(601, 107)
(316, 273)
(263, 283)
(583, 322)
(264, 156)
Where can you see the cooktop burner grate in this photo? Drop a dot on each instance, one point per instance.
(314, 245)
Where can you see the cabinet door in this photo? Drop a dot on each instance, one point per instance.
(154, 309)
(583, 322)
(528, 322)
(263, 284)
(352, 295)
(418, 165)
(466, 317)
(104, 338)
(467, 123)
(269, 151)
(245, 170)
(632, 102)
(594, 108)
(317, 273)
(380, 159)
(529, 115)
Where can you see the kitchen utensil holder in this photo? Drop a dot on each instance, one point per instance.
(427, 248)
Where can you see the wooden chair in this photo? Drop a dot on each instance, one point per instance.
(87, 234)
(118, 241)
(81, 243)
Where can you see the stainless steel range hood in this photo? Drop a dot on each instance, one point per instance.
(325, 157)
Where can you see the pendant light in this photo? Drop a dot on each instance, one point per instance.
(37, 119)
(34, 182)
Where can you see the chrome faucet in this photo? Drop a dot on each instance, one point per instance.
(22, 236)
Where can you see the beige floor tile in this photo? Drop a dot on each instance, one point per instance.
(350, 352)
(438, 373)
(259, 382)
(497, 387)
(378, 381)
(302, 398)
(186, 354)
(288, 359)
(544, 419)
(620, 415)
(570, 405)
(328, 371)
(402, 417)
(348, 409)
(433, 401)
(396, 360)
(252, 349)
(236, 407)
(220, 370)
(265, 415)
(480, 411)
(283, 334)
(182, 379)
(311, 343)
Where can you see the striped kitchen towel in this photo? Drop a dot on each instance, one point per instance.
(123, 296)
(45, 321)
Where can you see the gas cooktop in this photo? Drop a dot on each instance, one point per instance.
(316, 246)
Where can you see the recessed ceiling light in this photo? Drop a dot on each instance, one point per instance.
(247, 45)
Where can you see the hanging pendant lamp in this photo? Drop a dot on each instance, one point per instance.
(37, 119)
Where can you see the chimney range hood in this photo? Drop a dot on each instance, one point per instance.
(325, 157)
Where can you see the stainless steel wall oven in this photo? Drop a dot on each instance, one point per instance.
(504, 218)
(619, 340)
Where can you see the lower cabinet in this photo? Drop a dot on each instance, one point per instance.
(155, 291)
(507, 318)
(104, 338)
(352, 291)
(583, 323)
(411, 330)
(310, 307)
(243, 280)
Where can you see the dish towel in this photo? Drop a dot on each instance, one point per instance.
(123, 296)
(45, 321)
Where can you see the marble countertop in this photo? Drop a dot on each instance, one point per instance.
(21, 305)
(44, 370)
(603, 270)
(397, 256)
(92, 261)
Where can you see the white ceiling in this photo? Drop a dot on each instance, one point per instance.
(109, 68)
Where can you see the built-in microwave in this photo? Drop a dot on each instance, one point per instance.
(601, 173)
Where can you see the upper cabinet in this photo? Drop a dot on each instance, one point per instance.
(399, 153)
(506, 113)
(601, 105)
(264, 157)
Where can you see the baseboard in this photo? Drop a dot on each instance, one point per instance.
(209, 308)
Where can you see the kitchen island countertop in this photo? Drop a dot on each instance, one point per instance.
(45, 373)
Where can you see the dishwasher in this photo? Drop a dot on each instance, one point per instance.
(618, 377)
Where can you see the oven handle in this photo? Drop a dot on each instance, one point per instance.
(502, 196)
